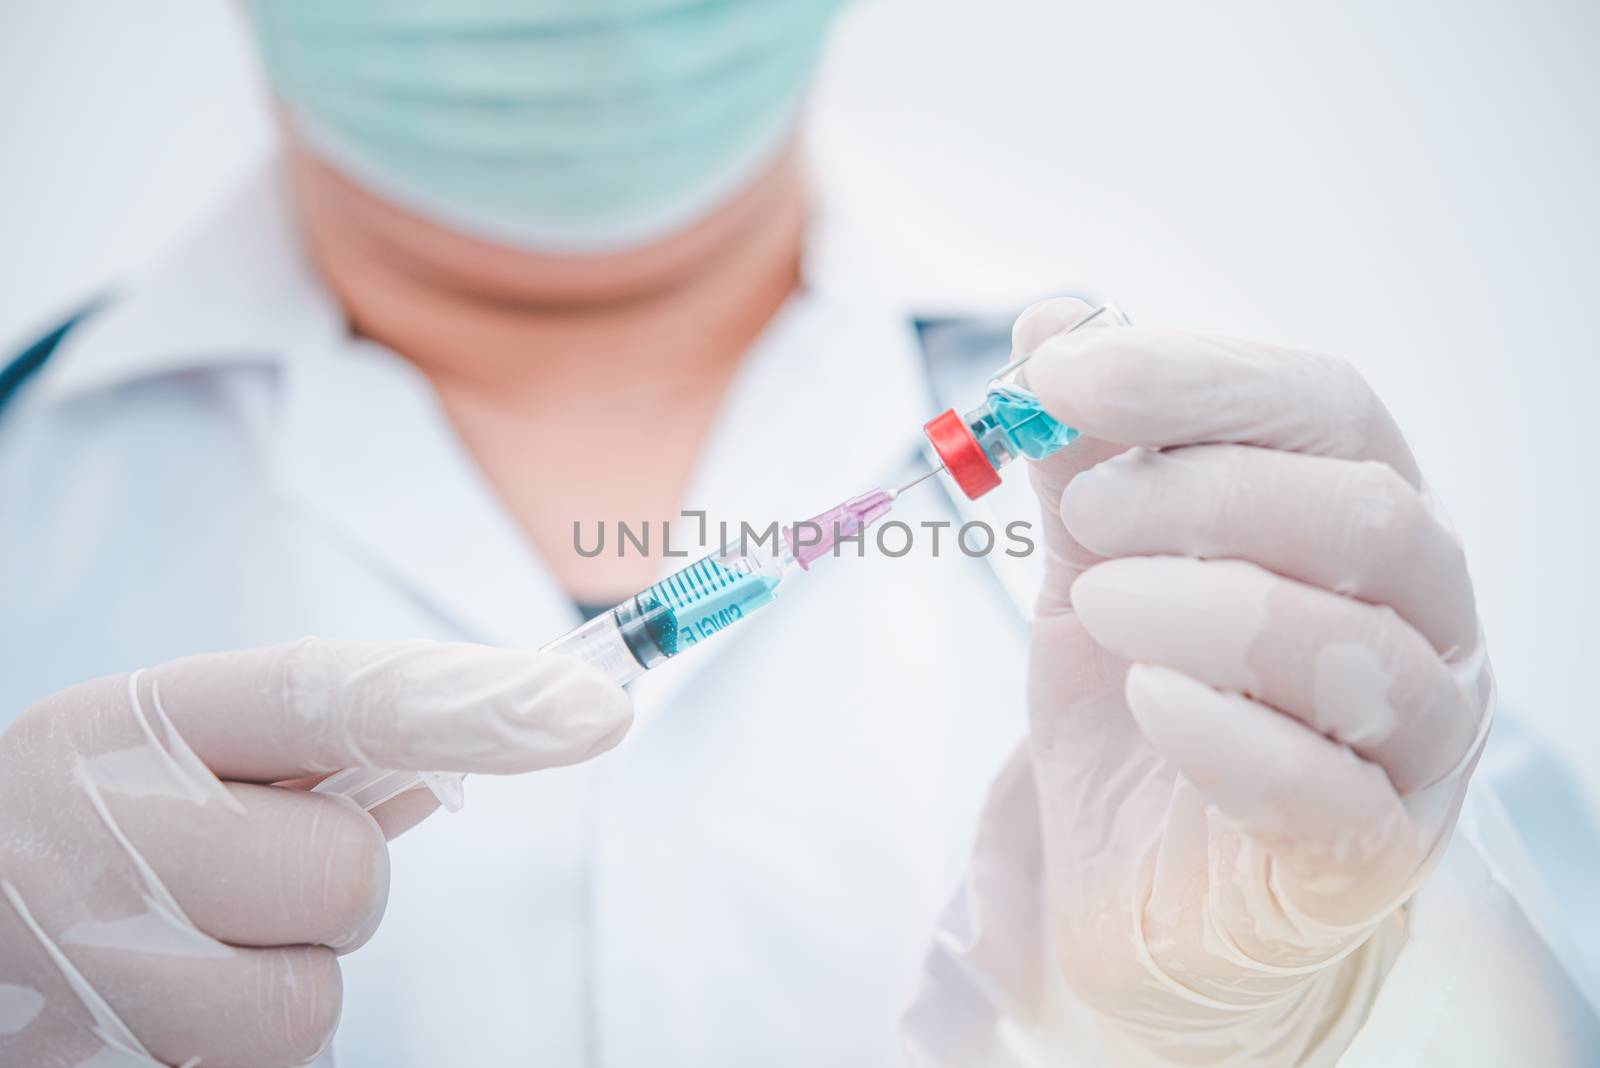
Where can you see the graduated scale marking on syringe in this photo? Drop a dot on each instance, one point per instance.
(719, 591)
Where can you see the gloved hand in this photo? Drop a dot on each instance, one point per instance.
(1257, 689)
(160, 903)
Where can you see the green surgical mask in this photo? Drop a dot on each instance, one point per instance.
(553, 125)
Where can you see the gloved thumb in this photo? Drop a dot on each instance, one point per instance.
(313, 706)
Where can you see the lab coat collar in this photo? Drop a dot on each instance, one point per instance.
(367, 453)
(355, 430)
(240, 291)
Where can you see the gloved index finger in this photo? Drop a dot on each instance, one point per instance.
(286, 711)
(1157, 387)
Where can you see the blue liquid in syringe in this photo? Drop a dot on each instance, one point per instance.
(702, 599)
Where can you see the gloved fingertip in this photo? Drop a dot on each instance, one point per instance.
(477, 708)
(1044, 320)
(376, 891)
(1149, 689)
(1066, 373)
(580, 707)
(1093, 498)
(1107, 599)
(1185, 720)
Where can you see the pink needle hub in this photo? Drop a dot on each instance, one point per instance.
(811, 539)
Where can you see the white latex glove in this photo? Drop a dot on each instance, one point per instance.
(161, 904)
(1258, 687)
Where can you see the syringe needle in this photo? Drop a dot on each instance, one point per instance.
(920, 478)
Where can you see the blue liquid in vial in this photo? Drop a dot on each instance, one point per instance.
(1028, 428)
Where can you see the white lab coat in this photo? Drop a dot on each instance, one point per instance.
(757, 875)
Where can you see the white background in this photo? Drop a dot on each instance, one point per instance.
(1411, 184)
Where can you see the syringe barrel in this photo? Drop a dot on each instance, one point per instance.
(600, 643)
(682, 610)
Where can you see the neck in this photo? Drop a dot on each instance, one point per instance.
(530, 354)
(495, 321)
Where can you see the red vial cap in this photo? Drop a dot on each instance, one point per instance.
(962, 455)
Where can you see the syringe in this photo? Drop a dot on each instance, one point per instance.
(686, 608)
(716, 592)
